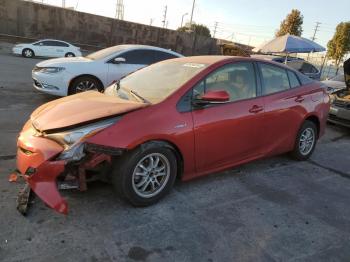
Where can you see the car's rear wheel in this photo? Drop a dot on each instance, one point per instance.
(305, 141)
(84, 83)
(28, 53)
(146, 174)
(69, 54)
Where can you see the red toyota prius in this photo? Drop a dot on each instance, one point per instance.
(183, 117)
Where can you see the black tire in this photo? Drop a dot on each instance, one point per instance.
(69, 54)
(123, 178)
(77, 85)
(297, 152)
(28, 53)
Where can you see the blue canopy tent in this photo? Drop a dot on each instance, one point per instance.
(289, 44)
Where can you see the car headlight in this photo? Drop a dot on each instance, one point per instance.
(72, 140)
(50, 70)
(331, 99)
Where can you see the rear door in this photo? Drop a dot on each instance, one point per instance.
(285, 103)
(226, 134)
(56, 48)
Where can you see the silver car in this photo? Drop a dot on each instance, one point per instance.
(339, 112)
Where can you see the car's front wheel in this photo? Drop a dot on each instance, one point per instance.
(84, 83)
(69, 54)
(28, 53)
(146, 174)
(305, 141)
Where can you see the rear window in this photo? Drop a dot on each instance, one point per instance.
(275, 79)
(304, 80)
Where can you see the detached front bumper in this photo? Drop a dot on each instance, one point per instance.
(35, 161)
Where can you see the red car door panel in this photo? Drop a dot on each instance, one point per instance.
(227, 134)
(285, 101)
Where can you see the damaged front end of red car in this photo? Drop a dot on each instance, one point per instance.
(49, 161)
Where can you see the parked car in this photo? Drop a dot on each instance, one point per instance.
(305, 68)
(62, 77)
(296, 63)
(335, 83)
(184, 117)
(340, 101)
(47, 48)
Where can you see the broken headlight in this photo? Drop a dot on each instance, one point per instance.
(72, 140)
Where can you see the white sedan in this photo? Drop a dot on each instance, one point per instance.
(66, 76)
(47, 48)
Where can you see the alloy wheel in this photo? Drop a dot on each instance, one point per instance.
(85, 86)
(151, 175)
(28, 53)
(306, 141)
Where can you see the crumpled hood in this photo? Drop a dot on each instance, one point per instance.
(63, 61)
(80, 108)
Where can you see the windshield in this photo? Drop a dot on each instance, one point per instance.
(338, 78)
(101, 54)
(156, 82)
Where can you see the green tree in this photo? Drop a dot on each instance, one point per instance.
(197, 28)
(292, 24)
(339, 45)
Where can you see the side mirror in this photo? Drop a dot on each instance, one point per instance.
(213, 97)
(119, 60)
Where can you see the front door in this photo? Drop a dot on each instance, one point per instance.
(134, 60)
(226, 134)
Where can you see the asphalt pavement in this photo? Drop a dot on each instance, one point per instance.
(274, 209)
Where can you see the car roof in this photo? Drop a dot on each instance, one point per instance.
(213, 59)
(52, 40)
(136, 46)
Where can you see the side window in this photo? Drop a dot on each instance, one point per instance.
(142, 57)
(274, 79)
(45, 43)
(293, 80)
(58, 43)
(237, 79)
(160, 56)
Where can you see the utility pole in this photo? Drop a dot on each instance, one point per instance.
(192, 13)
(151, 21)
(314, 36)
(119, 13)
(164, 16)
(215, 27)
(64, 3)
(315, 31)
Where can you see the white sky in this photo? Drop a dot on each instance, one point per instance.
(249, 22)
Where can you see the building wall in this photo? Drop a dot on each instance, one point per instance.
(36, 21)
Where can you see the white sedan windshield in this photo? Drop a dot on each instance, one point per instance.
(101, 54)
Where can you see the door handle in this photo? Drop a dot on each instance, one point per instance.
(256, 109)
(299, 99)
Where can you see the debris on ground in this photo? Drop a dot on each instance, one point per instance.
(13, 177)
